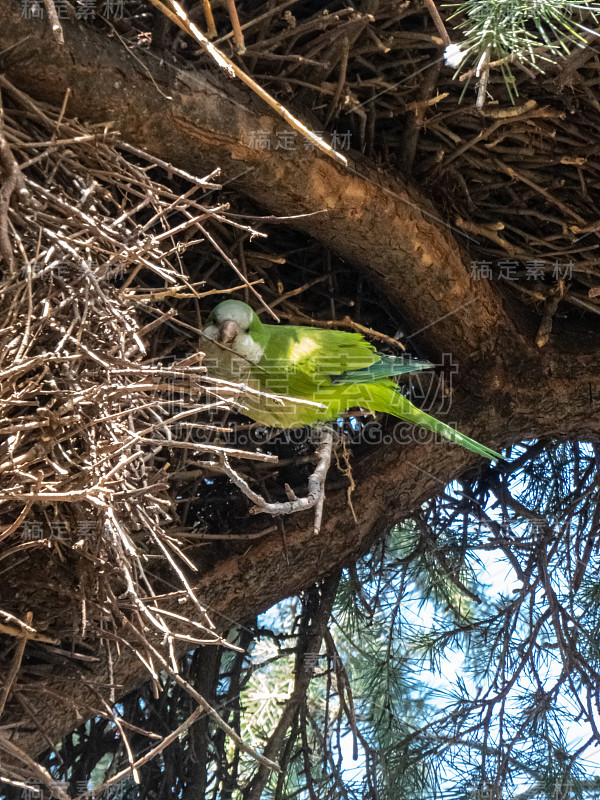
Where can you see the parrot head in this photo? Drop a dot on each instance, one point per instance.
(235, 325)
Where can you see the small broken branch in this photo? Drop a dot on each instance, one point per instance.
(16, 664)
(57, 30)
(316, 485)
(211, 28)
(438, 22)
(238, 36)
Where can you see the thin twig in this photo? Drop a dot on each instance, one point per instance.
(238, 36)
(15, 664)
(438, 22)
(57, 30)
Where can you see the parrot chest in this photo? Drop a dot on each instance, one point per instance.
(262, 384)
(225, 364)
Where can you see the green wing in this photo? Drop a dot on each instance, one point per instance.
(319, 357)
(386, 367)
(318, 350)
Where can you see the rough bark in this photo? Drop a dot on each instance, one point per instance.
(203, 120)
(509, 390)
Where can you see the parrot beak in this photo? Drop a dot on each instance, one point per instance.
(228, 331)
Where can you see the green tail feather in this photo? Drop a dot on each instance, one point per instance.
(411, 413)
(386, 398)
(386, 367)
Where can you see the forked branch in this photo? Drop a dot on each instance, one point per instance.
(316, 485)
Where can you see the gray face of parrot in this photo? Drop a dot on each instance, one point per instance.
(228, 325)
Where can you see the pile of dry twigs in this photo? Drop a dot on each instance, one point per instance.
(94, 407)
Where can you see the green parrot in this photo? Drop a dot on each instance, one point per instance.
(332, 370)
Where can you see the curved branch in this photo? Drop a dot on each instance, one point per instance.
(391, 232)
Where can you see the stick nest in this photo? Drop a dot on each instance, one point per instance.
(86, 430)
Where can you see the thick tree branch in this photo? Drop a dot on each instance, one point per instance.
(202, 120)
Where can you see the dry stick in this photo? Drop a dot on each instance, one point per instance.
(117, 721)
(414, 122)
(11, 180)
(180, 18)
(510, 59)
(57, 31)
(36, 770)
(316, 485)
(437, 21)
(15, 664)
(169, 168)
(238, 36)
(21, 627)
(302, 319)
(61, 113)
(341, 80)
(489, 231)
(211, 28)
(483, 69)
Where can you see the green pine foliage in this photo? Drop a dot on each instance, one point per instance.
(461, 662)
(534, 32)
(470, 639)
